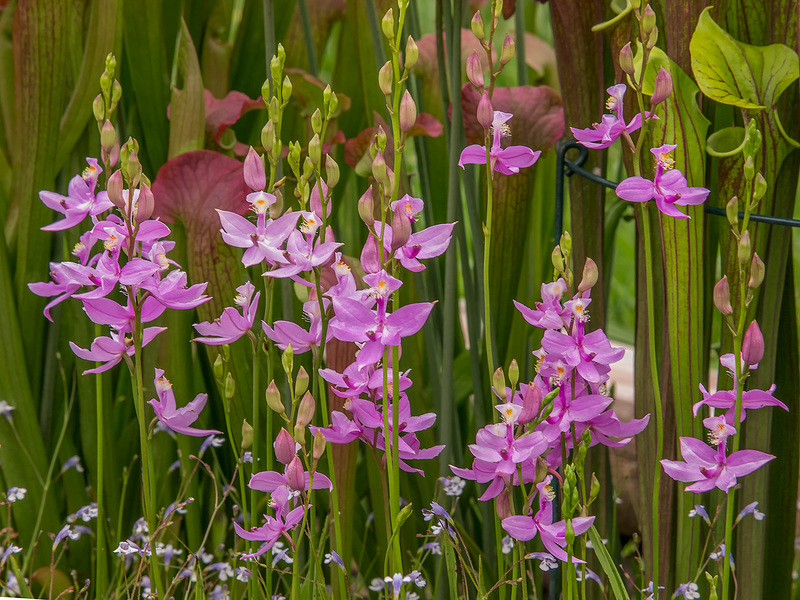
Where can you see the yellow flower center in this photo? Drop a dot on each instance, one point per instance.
(666, 161)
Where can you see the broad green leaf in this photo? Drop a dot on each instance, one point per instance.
(735, 73)
(609, 568)
(187, 106)
(7, 76)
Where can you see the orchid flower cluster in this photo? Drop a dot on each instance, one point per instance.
(566, 404)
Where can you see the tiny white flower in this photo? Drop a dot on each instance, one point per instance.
(507, 544)
(376, 585)
(453, 486)
(15, 493)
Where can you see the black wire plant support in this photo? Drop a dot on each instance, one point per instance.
(568, 168)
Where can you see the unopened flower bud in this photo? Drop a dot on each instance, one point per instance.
(274, 110)
(485, 112)
(370, 255)
(753, 345)
(387, 24)
(379, 167)
(557, 259)
(531, 403)
(331, 171)
(626, 59)
(308, 164)
(315, 151)
(105, 84)
(401, 229)
(108, 136)
(412, 53)
(300, 435)
(273, 396)
(275, 70)
(145, 203)
(475, 70)
(219, 368)
(284, 446)
(301, 382)
(306, 411)
(594, 489)
(566, 244)
(247, 435)
(268, 136)
(663, 87)
(332, 104)
(513, 373)
(366, 208)
(408, 112)
(508, 50)
(265, 91)
(111, 63)
(759, 187)
(744, 249)
(296, 475)
(653, 39)
(749, 168)
(254, 174)
(476, 24)
(386, 78)
(114, 188)
(316, 122)
(99, 108)
(499, 383)
(648, 19)
(287, 360)
(318, 448)
(286, 89)
(732, 211)
(380, 139)
(116, 94)
(503, 505)
(589, 277)
(230, 387)
(722, 296)
(756, 271)
(541, 470)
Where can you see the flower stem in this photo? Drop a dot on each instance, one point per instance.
(100, 564)
(487, 247)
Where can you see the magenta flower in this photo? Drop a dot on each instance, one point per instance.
(231, 325)
(80, 200)
(553, 535)
(110, 350)
(507, 161)
(605, 133)
(590, 353)
(547, 314)
(262, 241)
(177, 419)
(275, 527)
(285, 333)
(710, 468)
(668, 188)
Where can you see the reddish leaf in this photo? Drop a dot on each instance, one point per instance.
(221, 114)
(187, 190)
(538, 114)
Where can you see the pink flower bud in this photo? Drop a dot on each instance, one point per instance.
(508, 50)
(366, 208)
(503, 505)
(306, 411)
(296, 475)
(379, 167)
(476, 24)
(145, 203)
(254, 175)
(408, 112)
(531, 403)
(318, 449)
(401, 229)
(386, 78)
(370, 256)
(589, 277)
(475, 70)
(722, 296)
(753, 345)
(114, 189)
(756, 272)
(284, 447)
(626, 59)
(663, 87)
(485, 112)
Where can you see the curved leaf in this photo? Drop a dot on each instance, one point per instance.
(739, 74)
(726, 142)
(187, 106)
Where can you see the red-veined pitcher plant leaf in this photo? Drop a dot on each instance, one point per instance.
(753, 78)
(681, 122)
(537, 123)
(222, 113)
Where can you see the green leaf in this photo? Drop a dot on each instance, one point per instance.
(726, 142)
(187, 125)
(609, 568)
(734, 73)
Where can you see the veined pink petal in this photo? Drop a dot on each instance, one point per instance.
(669, 209)
(518, 157)
(472, 155)
(520, 527)
(635, 189)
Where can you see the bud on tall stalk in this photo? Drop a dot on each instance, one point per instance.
(753, 345)
(485, 112)
(722, 296)
(408, 112)
(475, 70)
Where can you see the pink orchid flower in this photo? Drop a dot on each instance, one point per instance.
(507, 161)
(177, 419)
(611, 127)
(231, 325)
